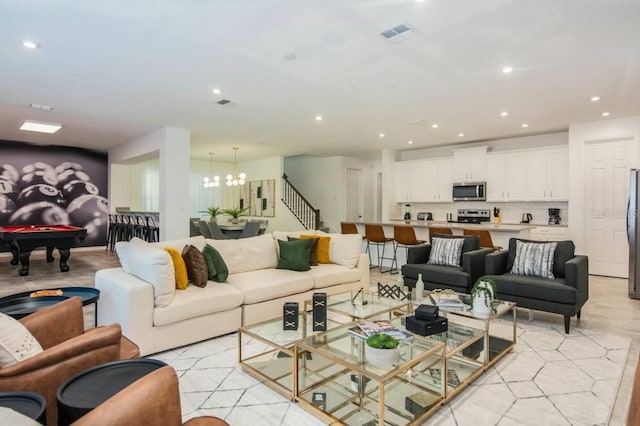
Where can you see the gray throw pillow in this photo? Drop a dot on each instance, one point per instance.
(534, 259)
(446, 251)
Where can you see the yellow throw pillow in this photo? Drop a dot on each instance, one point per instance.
(323, 247)
(179, 268)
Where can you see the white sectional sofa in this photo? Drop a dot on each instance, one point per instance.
(142, 298)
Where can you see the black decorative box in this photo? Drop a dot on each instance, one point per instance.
(426, 312)
(426, 328)
(290, 316)
(417, 403)
(319, 312)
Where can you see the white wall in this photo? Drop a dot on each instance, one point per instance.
(579, 135)
(173, 148)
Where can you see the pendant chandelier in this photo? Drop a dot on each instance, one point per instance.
(215, 180)
(236, 179)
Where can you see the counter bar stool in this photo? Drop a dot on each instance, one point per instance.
(485, 237)
(374, 234)
(438, 230)
(348, 228)
(403, 236)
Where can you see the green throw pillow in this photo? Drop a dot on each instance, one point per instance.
(218, 270)
(294, 255)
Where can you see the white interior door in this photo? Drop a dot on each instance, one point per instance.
(606, 182)
(354, 195)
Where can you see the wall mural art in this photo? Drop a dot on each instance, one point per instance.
(259, 196)
(50, 185)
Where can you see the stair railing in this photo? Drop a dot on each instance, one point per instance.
(302, 209)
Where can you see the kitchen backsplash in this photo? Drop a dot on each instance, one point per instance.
(509, 212)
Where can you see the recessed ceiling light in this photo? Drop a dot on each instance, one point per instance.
(41, 107)
(507, 70)
(30, 44)
(606, 114)
(34, 126)
(410, 142)
(318, 118)
(216, 91)
(434, 126)
(460, 135)
(594, 98)
(504, 113)
(381, 135)
(525, 125)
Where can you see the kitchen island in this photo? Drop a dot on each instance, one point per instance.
(500, 232)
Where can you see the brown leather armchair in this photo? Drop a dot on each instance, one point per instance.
(152, 400)
(67, 350)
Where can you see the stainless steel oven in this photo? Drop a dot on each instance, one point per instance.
(470, 191)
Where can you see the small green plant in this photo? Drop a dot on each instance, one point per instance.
(382, 341)
(212, 211)
(235, 212)
(486, 286)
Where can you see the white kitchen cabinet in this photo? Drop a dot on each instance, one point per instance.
(469, 164)
(558, 174)
(506, 179)
(548, 174)
(410, 183)
(548, 233)
(438, 180)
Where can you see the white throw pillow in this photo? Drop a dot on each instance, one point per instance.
(153, 265)
(247, 254)
(16, 342)
(534, 259)
(446, 251)
(345, 249)
(197, 241)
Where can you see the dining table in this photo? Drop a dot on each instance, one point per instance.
(234, 230)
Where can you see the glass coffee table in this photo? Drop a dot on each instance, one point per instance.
(351, 306)
(342, 386)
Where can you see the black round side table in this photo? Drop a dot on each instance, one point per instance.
(90, 388)
(27, 403)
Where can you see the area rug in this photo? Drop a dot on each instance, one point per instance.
(550, 378)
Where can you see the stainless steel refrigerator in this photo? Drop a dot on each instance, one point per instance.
(633, 234)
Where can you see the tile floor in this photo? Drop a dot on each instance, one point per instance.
(609, 312)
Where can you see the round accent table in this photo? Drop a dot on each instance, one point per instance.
(90, 388)
(28, 404)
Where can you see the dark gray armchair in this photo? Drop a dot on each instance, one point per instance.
(459, 278)
(565, 294)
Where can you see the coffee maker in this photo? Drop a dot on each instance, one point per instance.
(554, 216)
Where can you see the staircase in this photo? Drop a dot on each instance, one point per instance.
(302, 209)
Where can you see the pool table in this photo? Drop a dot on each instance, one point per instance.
(23, 239)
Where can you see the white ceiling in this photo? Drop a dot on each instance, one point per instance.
(115, 70)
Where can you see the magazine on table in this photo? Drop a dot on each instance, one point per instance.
(452, 376)
(367, 328)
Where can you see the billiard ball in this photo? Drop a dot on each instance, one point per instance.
(40, 213)
(46, 177)
(71, 175)
(67, 165)
(76, 188)
(7, 207)
(40, 192)
(96, 232)
(10, 173)
(86, 208)
(8, 188)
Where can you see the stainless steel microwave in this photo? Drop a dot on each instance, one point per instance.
(470, 191)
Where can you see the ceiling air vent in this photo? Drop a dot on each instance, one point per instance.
(399, 33)
(223, 102)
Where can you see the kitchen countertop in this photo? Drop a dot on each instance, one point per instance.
(443, 222)
(496, 227)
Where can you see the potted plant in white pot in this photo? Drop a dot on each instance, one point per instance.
(382, 349)
(213, 212)
(482, 294)
(235, 213)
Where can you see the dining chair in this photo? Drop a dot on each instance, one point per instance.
(348, 228)
(216, 232)
(204, 229)
(485, 237)
(438, 230)
(251, 229)
(193, 228)
(404, 236)
(374, 234)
